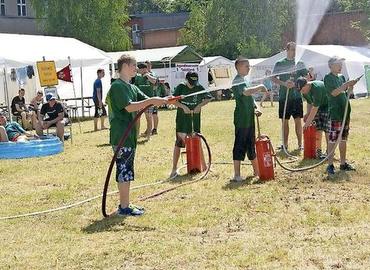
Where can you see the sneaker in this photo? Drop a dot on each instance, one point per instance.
(347, 167)
(154, 132)
(173, 175)
(129, 211)
(237, 179)
(300, 148)
(137, 207)
(320, 154)
(330, 170)
(281, 148)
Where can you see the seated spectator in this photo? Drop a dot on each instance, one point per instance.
(35, 107)
(19, 109)
(12, 131)
(55, 112)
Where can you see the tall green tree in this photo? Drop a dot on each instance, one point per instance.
(252, 28)
(100, 23)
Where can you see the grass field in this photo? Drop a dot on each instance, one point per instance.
(298, 221)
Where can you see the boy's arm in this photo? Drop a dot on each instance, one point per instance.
(255, 89)
(311, 116)
(151, 78)
(203, 103)
(138, 105)
(182, 106)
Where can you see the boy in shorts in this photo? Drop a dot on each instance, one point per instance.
(337, 91)
(124, 100)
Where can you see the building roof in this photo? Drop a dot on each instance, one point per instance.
(162, 21)
(179, 54)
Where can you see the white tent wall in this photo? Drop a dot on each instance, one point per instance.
(317, 56)
(222, 70)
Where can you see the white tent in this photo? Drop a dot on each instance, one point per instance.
(22, 50)
(317, 56)
(168, 63)
(222, 70)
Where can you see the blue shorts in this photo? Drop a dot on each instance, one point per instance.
(125, 164)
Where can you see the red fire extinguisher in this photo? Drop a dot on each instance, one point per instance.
(264, 156)
(194, 152)
(309, 136)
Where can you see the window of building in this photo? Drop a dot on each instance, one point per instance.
(136, 40)
(221, 73)
(2, 7)
(21, 6)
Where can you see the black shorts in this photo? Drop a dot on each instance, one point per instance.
(294, 109)
(96, 114)
(245, 140)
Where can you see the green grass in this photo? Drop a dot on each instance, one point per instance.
(298, 221)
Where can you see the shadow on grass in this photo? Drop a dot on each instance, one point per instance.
(103, 145)
(249, 181)
(338, 177)
(114, 223)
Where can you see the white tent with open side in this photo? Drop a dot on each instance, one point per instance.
(170, 63)
(317, 56)
(18, 51)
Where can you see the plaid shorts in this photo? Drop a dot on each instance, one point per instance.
(335, 127)
(322, 121)
(125, 164)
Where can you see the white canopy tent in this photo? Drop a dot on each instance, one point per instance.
(164, 60)
(222, 70)
(22, 50)
(317, 56)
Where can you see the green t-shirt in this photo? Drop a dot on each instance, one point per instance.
(317, 96)
(144, 85)
(336, 104)
(244, 109)
(289, 71)
(161, 91)
(119, 96)
(184, 121)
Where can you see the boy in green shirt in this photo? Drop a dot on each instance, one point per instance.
(124, 100)
(317, 110)
(287, 72)
(337, 92)
(145, 82)
(245, 110)
(188, 113)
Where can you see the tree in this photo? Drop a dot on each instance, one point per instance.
(230, 28)
(100, 23)
(364, 5)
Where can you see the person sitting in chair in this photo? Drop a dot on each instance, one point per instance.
(55, 112)
(12, 131)
(20, 110)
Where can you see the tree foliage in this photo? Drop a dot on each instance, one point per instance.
(230, 28)
(100, 23)
(163, 6)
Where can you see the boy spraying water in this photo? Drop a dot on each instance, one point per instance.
(244, 112)
(338, 90)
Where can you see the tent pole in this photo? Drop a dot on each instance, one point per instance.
(6, 92)
(82, 93)
(170, 66)
(74, 93)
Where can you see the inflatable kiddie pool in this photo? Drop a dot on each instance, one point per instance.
(44, 146)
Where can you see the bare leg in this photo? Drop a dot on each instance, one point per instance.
(155, 120)
(331, 149)
(318, 139)
(96, 124)
(60, 130)
(176, 157)
(149, 120)
(39, 129)
(298, 130)
(102, 120)
(271, 98)
(327, 141)
(3, 135)
(237, 168)
(263, 99)
(255, 167)
(343, 152)
(124, 194)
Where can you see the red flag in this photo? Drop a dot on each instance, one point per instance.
(65, 74)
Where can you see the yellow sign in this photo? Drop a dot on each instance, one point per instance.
(47, 73)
